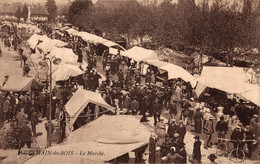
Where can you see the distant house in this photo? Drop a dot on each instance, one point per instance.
(115, 4)
(38, 13)
(8, 10)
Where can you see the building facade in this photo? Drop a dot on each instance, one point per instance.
(36, 12)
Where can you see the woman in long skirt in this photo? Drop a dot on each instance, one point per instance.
(198, 120)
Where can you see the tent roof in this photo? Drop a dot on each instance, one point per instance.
(228, 79)
(111, 135)
(65, 54)
(64, 28)
(90, 37)
(175, 71)
(253, 95)
(72, 31)
(48, 45)
(19, 84)
(140, 54)
(112, 129)
(80, 100)
(34, 39)
(65, 71)
(157, 63)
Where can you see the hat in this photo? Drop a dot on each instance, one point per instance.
(239, 125)
(153, 135)
(176, 134)
(211, 117)
(54, 98)
(192, 99)
(212, 156)
(172, 148)
(206, 109)
(173, 120)
(16, 94)
(161, 126)
(255, 115)
(197, 137)
(157, 148)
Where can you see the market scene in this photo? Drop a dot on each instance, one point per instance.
(74, 89)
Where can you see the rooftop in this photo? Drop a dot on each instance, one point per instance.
(11, 8)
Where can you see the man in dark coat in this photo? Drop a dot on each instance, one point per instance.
(238, 135)
(196, 149)
(25, 136)
(134, 106)
(182, 151)
(173, 128)
(152, 146)
(34, 121)
(249, 136)
(6, 108)
(221, 128)
(157, 108)
(42, 100)
(181, 130)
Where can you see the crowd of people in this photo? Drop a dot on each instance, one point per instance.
(136, 94)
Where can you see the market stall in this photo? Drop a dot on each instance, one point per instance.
(175, 72)
(108, 136)
(80, 100)
(140, 54)
(65, 71)
(21, 84)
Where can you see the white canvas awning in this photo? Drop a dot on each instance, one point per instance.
(65, 54)
(80, 100)
(72, 31)
(20, 84)
(228, 79)
(140, 54)
(113, 136)
(175, 71)
(253, 95)
(90, 37)
(65, 71)
(34, 39)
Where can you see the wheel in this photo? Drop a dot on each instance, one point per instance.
(9, 142)
(237, 156)
(221, 149)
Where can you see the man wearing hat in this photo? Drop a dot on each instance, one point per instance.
(25, 136)
(7, 108)
(172, 128)
(134, 106)
(249, 136)
(238, 135)
(182, 151)
(157, 108)
(152, 147)
(6, 79)
(208, 130)
(221, 128)
(212, 158)
(181, 130)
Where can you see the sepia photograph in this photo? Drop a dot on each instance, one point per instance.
(130, 81)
